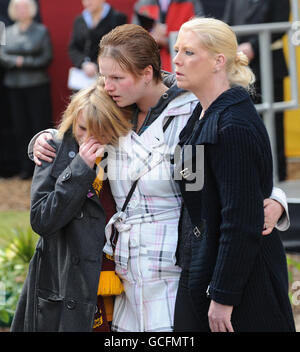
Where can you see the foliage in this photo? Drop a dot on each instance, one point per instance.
(12, 218)
(18, 246)
(293, 267)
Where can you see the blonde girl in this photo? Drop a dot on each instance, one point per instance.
(60, 291)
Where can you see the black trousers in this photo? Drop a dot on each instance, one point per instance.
(185, 316)
(8, 154)
(31, 112)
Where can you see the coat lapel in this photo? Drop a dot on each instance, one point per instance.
(65, 154)
(147, 150)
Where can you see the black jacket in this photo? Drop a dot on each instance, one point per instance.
(225, 251)
(84, 42)
(240, 12)
(60, 291)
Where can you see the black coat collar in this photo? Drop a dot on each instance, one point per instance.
(67, 148)
(205, 131)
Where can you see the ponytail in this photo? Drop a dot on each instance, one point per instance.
(239, 73)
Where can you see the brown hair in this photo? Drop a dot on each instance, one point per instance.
(102, 114)
(133, 48)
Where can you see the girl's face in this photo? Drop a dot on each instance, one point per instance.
(81, 131)
(194, 65)
(124, 88)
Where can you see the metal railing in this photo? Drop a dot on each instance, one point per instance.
(268, 107)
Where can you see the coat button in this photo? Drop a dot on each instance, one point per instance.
(72, 154)
(66, 176)
(71, 304)
(80, 215)
(75, 259)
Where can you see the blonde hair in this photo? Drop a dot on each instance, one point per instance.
(102, 115)
(218, 38)
(11, 8)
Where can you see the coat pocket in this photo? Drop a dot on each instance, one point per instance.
(49, 314)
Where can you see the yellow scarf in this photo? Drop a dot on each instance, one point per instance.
(98, 182)
(109, 283)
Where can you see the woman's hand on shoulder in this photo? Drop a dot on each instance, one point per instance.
(272, 211)
(42, 150)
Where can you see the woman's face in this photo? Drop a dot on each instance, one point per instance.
(22, 10)
(124, 88)
(92, 5)
(81, 131)
(194, 65)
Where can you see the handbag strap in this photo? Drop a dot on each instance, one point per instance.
(129, 195)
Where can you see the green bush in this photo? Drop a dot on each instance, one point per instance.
(18, 246)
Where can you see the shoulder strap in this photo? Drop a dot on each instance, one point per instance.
(166, 125)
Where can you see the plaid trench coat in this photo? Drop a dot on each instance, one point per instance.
(148, 233)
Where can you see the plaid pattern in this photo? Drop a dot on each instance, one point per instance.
(146, 246)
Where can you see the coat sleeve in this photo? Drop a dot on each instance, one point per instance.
(237, 164)
(228, 12)
(54, 202)
(284, 222)
(7, 61)
(42, 60)
(76, 54)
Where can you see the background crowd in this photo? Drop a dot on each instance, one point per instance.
(34, 90)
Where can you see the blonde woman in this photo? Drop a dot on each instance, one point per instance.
(233, 278)
(60, 292)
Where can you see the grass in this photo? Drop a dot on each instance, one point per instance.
(12, 219)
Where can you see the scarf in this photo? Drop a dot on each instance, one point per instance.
(109, 283)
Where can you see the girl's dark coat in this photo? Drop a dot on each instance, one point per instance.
(60, 291)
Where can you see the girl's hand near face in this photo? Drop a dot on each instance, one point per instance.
(90, 150)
